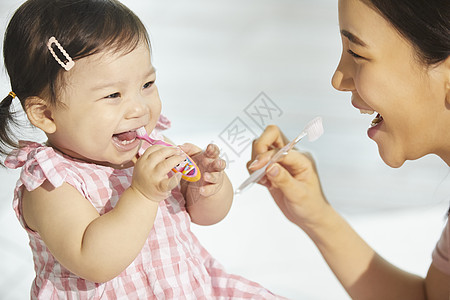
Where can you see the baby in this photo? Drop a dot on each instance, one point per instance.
(105, 215)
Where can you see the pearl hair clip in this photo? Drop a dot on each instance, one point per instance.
(66, 65)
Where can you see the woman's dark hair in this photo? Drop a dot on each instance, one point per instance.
(82, 27)
(424, 23)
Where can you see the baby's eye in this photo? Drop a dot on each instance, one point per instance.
(113, 96)
(148, 84)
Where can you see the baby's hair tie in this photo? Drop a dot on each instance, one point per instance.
(12, 94)
(66, 65)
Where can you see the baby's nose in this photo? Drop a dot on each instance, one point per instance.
(137, 108)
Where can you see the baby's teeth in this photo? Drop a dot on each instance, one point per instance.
(124, 142)
(366, 111)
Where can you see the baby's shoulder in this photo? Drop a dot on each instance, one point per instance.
(40, 163)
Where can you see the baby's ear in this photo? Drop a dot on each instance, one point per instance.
(40, 113)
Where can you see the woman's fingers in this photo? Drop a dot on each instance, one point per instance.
(271, 138)
(281, 179)
(265, 147)
(260, 161)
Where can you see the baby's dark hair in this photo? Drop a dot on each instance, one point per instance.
(82, 27)
(424, 23)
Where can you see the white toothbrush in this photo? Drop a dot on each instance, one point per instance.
(313, 130)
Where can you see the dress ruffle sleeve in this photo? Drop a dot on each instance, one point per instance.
(39, 163)
(162, 124)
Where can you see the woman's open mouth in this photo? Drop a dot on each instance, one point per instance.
(376, 121)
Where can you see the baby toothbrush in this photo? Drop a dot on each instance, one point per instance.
(188, 169)
(313, 130)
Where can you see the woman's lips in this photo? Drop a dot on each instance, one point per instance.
(362, 108)
(367, 110)
(375, 126)
(370, 111)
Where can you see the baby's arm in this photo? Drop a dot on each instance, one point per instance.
(94, 247)
(208, 200)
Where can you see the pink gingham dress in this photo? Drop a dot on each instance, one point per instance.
(171, 265)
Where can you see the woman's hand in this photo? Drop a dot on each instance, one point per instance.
(293, 181)
(150, 175)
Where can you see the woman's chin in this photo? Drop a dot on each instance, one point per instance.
(393, 160)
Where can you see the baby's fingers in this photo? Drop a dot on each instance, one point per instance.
(157, 153)
(212, 151)
(169, 163)
(170, 183)
(218, 165)
(213, 177)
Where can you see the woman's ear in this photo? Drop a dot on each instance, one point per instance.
(40, 114)
(447, 84)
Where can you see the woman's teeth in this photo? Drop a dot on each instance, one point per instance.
(377, 120)
(366, 111)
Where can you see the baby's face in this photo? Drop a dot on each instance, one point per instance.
(106, 98)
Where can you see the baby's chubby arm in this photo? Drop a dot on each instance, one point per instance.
(208, 200)
(94, 247)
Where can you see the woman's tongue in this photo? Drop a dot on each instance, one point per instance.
(125, 137)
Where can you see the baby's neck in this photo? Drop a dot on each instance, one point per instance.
(125, 165)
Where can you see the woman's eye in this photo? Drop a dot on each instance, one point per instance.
(148, 84)
(113, 96)
(354, 54)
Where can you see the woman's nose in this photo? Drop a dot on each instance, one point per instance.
(342, 79)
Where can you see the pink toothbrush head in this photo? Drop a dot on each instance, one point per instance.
(188, 169)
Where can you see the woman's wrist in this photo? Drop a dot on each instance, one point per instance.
(324, 220)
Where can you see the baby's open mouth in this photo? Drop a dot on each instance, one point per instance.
(125, 138)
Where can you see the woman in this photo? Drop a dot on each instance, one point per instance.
(396, 63)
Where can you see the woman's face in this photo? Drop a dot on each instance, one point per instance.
(382, 71)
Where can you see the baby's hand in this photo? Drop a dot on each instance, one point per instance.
(150, 175)
(212, 170)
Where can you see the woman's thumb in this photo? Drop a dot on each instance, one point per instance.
(280, 178)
